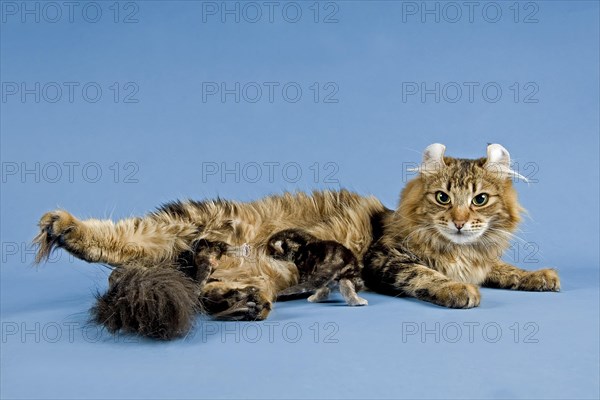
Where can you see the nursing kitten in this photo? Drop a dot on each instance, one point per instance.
(321, 265)
(204, 256)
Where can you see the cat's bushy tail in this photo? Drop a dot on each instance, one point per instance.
(158, 302)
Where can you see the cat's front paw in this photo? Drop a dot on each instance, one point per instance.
(542, 280)
(56, 227)
(458, 295)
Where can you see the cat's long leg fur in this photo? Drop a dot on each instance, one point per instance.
(390, 272)
(141, 240)
(506, 276)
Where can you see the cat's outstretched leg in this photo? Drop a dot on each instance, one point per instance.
(391, 272)
(143, 240)
(506, 276)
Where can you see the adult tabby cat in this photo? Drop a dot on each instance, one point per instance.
(445, 238)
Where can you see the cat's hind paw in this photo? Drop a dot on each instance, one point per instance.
(55, 229)
(237, 304)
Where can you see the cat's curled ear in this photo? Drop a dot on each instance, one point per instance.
(498, 162)
(433, 159)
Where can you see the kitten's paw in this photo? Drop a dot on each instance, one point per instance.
(543, 280)
(458, 295)
(313, 298)
(320, 295)
(358, 301)
(56, 228)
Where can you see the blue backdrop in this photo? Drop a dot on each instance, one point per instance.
(110, 108)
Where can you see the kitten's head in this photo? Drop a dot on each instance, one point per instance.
(461, 202)
(284, 245)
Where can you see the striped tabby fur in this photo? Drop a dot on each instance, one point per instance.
(412, 251)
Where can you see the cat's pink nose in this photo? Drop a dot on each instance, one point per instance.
(459, 224)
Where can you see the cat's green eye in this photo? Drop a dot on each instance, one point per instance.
(481, 199)
(442, 198)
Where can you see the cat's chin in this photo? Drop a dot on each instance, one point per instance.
(462, 238)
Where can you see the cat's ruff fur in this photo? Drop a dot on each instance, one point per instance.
(414, 251)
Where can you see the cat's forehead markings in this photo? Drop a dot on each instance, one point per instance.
(460, 174)
(464, 174)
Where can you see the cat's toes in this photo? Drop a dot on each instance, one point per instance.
(56, 224)
(459, 295)
(543, 280)
(55, 228)
(254, 306)
(244, 304)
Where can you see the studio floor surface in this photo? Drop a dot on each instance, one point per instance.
(515, 345)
